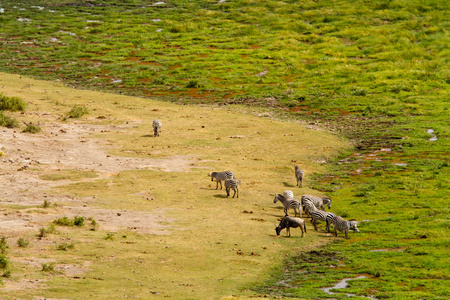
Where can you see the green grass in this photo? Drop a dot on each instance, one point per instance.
(375, 72)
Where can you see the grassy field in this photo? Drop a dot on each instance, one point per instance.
(374, 72)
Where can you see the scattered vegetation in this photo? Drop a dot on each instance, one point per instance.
(7, 121)
(65, 246)
(12, 103)
(31, 128)
(77, 111)
(23, 243)
(373, 71)
(49, 268)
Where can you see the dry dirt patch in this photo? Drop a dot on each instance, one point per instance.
(69, 146)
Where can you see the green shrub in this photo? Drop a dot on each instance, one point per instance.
(110, 236)
(6, 121)
(46, 204)
(21, 242)
(78, 221)
(65, 246)
(4, 261)
(48, 267)
(12, 103)
(64, 221)
(31, 128)
(3, 245)
(77, 111)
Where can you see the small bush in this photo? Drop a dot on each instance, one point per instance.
(6, 121)
(3, 245)
(77, 111)
(42, 232)
(65, 246)
(31, 128)
(78, 221)
(48, 267)
(12, 103)
(64, 221)
(193, 84)
(94, 224)
(110, 236)
(23, 243)
(46, 204)
(4, 261)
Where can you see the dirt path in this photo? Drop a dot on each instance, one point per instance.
(68, 146)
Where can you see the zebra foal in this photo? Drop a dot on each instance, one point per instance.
(299, 176)
(157, 127)
(232, 184)
(289, 203)
(344, 226)
(221, 176)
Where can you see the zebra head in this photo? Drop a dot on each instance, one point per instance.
(213, 175)
(353, 225)
(277, 198)
(327, 201)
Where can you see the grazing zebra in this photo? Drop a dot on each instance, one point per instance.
(157, 127)
(319, 215)
(344, 226)
(232, 184)
(221, 176)
(299, 176)
(288, 194)
(289, 203)
(288, 222)
(308, 206)
(318, 201)
(330, 219)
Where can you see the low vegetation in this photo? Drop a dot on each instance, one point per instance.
(374, 72)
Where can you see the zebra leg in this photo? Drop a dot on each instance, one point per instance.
(237, 192)
(315, 223)
(234, 194)
(228, 191)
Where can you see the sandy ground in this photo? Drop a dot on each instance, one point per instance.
(68, 146)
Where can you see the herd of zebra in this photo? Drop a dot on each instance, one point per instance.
(312, 205)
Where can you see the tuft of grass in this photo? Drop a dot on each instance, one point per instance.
(110, 237)
(77, 111)
(3, 245)
(65, 246)
(49, 268)
(46, 204)
(23, 243)
(31, 128)
(78, 221)
(64, 221)
(12, 103)
(7, 121)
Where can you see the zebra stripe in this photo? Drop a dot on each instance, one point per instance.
(232, 184)
(330, 219)
(308, 206)
(156, 127)
(299, 176)
(221, 176)
(288, 194)
(289, 203)
(319, 202)
(319, 215)
(344, 225)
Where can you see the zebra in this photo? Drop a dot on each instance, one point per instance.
(330, 219)
(157, 127)
(288, 194)
(319, 202)
(308, 206)
(344, 226)
(320, 215)
(289, 203)
(232, 184)
(221, 176)
(299, 176)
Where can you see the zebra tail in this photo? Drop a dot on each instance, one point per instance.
(304, 226)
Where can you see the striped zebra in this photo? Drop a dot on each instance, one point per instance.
(344, 226)
(299, 176)
(232, 184)
(320, 215)
(156, 127)
(288, 194)
(319, 202)
(221, 176)
(330, 219)
(308, 206)
(289, 203)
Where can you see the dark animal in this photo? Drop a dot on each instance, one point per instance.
(288, 222)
